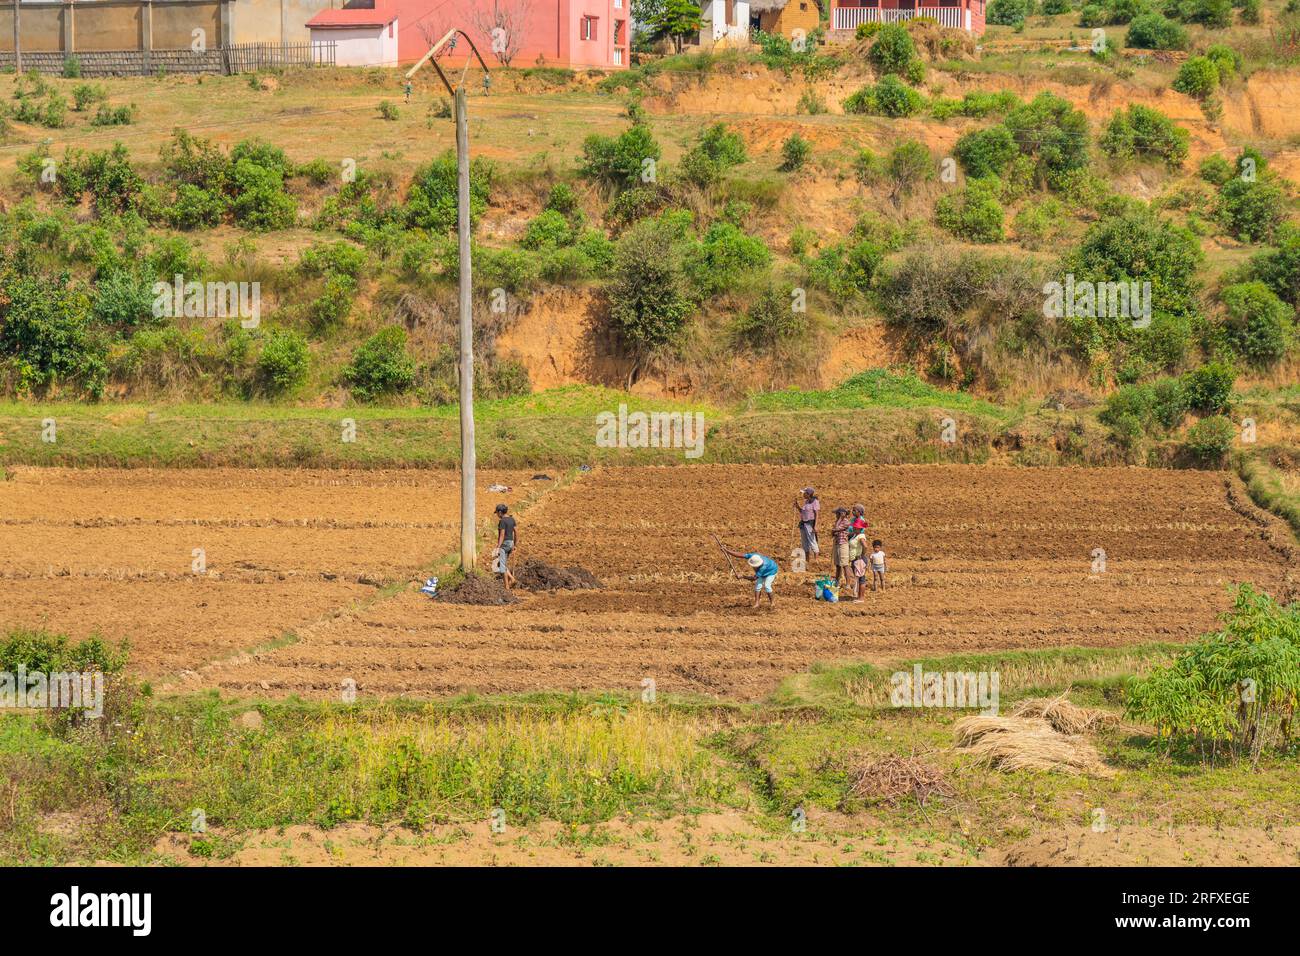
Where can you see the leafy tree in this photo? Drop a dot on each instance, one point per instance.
(909, 164)
(1279, 268)
(1201, 698)
(676, 19)
(649, 295)
(1008, 13)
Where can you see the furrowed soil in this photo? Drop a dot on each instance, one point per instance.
(980, 558)
(112, 551)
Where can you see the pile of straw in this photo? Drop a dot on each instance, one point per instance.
(1028, 743)
(890, 779)
(1065, 717)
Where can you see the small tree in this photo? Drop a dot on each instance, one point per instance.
(503, 25)
(677, 19)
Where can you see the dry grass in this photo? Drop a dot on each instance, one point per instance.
(1027, 743)
(890, 779)
(1065, 717)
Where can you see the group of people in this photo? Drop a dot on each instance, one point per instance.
(852, 559)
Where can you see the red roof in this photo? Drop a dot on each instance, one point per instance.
(352, 17)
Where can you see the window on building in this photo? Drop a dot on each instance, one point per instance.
(588, 28)
(618, 33)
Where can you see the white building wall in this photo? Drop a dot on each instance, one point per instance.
(716, 27)
(360, 46)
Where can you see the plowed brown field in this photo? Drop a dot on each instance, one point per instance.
(980, 558)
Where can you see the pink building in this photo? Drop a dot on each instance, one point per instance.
(958, 14)
(578, 34)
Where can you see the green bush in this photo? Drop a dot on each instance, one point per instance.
(260, 201)
(620, 162)
(1209, 388)
(1198, 77)
(283, 362)
(332, 258)
(1279, 269)
(770, 321)
(794, 153)
(843, 270)
(381, 366)
(723, 258)
(986, 152)
(1008, 13)
(1252, 210)
(87, 94)
(893, 50)
(1054, 134)
(1215, 170)
(431, 203)
(1140, 132)
(562, 199)
(1225, 59)
(1258, 324)
(889, 97)
(45, 331)
(909, 164)
(334, 303)
(1210, 439)
(122, 301)
(974, 213)
(550, 229)
(1201, 699)
(195, 208)
(1151, 31)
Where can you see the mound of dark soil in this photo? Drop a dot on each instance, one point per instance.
(537, 576)
(476, 589)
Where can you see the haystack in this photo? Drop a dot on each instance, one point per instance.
(1027, 743)
(1065, 717)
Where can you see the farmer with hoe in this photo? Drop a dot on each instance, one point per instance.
(808, 506)
(765, 570)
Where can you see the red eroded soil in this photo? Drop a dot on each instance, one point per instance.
(980, 558)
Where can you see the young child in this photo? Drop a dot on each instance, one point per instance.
(877, 564)
(859, 567)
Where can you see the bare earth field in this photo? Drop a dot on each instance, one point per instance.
(981, 558)
(108, 551)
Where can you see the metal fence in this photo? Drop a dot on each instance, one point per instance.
(238, 58)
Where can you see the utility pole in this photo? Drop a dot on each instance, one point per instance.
(468, 464)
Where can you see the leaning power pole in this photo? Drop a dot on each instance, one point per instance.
(468, 465)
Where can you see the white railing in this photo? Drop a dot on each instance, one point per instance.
(618, 56)
(850, 18)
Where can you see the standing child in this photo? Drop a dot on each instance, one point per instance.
(877, 564)
(860, 572)
(507, 536)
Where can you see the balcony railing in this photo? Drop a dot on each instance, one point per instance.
(850, 18)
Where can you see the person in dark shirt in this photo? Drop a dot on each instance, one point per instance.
(506, 542)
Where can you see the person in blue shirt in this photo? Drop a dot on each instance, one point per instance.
(765, 570)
